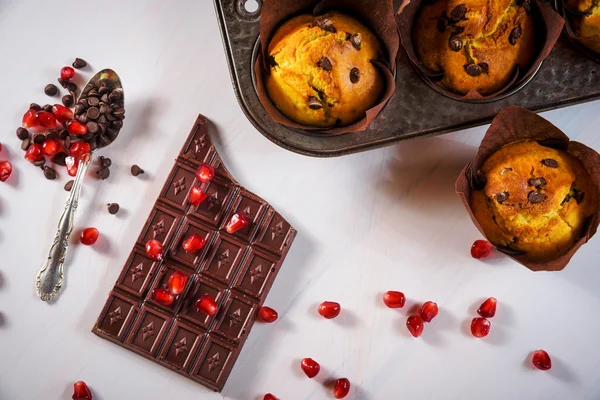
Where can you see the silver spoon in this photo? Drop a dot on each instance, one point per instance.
(50, 278)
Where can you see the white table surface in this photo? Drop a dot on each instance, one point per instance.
(383, 220)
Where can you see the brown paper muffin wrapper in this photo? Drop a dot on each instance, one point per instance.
(551, 21)
(588, 42)
(377, 15)
(515, 124)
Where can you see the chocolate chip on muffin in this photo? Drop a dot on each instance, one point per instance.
(354, 75)
(325, 63)
(326, 24)
(314, 103)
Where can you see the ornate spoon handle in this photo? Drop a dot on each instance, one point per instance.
(50, 278)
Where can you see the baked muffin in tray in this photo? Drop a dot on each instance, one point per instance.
(588, 24)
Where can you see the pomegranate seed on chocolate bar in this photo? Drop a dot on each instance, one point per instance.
(162, 296)
(176, 282)
(205, 173)
(81, 391)
(207, 305)
(193, 243)
(154, 249)
(238, 221)
(196, 196)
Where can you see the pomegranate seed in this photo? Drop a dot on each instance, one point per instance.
(78, 149)
(89, 236)
(428, 311)
(206, 305)
(162, 296)
(541, 360)
(487, 309)
(329, 309)
(29, 119)
(205, 173)
(76, 128)
(310, 367)
(72, 165)
(267, 314)
(394, 299)
(67, 73)
(176, 282)
(341, 388)
(154, 249)
(46, 119)
(481, 249)
(81, 391)
(196, 196)
(34, 153)
(5, 170)
(193, 243)
(51, 147)
(62, 113)
(480, 327)
(238, 221)
(414, 323)
(269, 396)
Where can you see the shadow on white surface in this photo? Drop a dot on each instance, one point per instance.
(435, 332)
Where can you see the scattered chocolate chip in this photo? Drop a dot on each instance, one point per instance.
(566, 199)
(458, 12)
(93, 144)
(105, 162)
(22, 133)
(51, 89)
(270, 60)
(442, 23)
(49, 173)
(39, 163)
(515, 34)
(93, 113)
(82, 118)
(325, 64)
(485, 68)
(92, 127)
(578, 195)
(354, 75)
(112, 133)
(119, 112)
(62, 135)
(314, 103)
(59, 159)
(67, 100)
(104, 108)
(47, 107)
(117, 124)
(103, 141)
(505, 170)
(51, 135)
(104, 89)
(63, 82)
(25, 144)
(69, 185)
(136, 170)
(79, 108)
(113, 208)
(455, 43)
(536, 197)
(103, 173)
(501, 197)
(79, 63)
(39, 138)
(35, 106)
(71, 86)
(93, 101)
(356, 40)
(550, 163)
(473, 69)
(325, 24)
(537, 182)
(93, 92)
(104, 98)
(116, 94)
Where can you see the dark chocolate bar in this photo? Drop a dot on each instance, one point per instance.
(236, 270)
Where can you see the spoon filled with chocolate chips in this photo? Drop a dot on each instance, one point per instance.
(98, 118)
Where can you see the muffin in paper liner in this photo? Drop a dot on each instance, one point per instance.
(516, 124)
(377, 15)
(588, 45)
(548, 23)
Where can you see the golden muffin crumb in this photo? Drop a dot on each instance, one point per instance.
(536, 199)
(589, 24)
(477, 44)
(321, 71)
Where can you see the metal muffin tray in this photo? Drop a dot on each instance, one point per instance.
(565, 78)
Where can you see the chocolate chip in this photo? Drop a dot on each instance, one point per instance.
(115, 95)
(117, 124)
(550, 163)
(455, 43)
(62, 135)
(458, 12)
(79, 108)
(566, 199)
(325, 24)
(63, 82)
(501, 197)
(104, 98)
(515, 34)
(51, 135)
(39, 138)
(93, 101)
(536, 197)
(113, 208)
(270, 60)
(103, 141)
(93, 113)
(105, 162)
(82, 118)
(67, 100)
(35, 106)
(537, 182)
(49, 173)
(79, 63)
(25, 144)
(442, 23)
(136, 170)
(325, 64)
(473, 69)
(51, 89)
(92, 126)
(356, 40)
(578, 195)
(71, 86)
(112, 133)
(59, 159)
(68, 142)
(104, 89)
(47, 108)
(69, 185)
(93, 93)
(104, 108)
(314, 103)
(485, 68)
(93, 144)
(119, 113)
(103, 173)
(102, 118)
(39, 163)
(22, 133)
(354, 75)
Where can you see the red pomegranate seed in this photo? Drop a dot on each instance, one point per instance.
(487, 309)
(414, 323)
(394, 299)
(76, 128)
(428, 311)
(205, 173)
(5, 170)
(89, 236)
(81, 391)
(176, 282)
(51, 147)
(341, 388)
(481, 249)
(196, 196)
(78, 149)
(154, 249)
(193, 243)
(30, 121)
(541, 360)
(46, 119)
(162, 296)
(267, 314)
(480, 327)
(329, 309)
(238, 221)
(34, 153)
(72, 165)
(62, 113)
(206, 305)
(310, 367)
(67, 73)
(269, 396)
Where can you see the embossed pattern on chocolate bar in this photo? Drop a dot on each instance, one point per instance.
(236, 270)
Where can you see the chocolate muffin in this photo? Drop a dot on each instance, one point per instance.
(536, 199)
(476, 44)
(587, 25)
(321, 73)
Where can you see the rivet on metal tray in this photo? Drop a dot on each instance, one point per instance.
(249, 8)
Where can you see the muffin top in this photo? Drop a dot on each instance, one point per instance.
(321, 72)
(536, 199)
(477, 44)
(589, 24)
